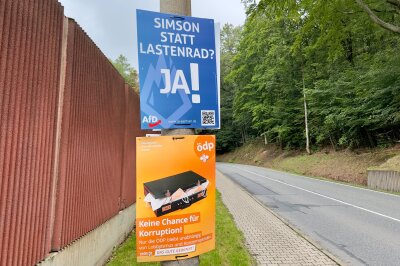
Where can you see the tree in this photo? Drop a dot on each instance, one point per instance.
(384, 13)
(128, 72)
(228, 137)
(388, 6)
(348, 68)
(267, 74)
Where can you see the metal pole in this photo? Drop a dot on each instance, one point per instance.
(179, 7)
(306, 119)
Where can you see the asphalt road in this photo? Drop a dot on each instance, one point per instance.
(359, 226)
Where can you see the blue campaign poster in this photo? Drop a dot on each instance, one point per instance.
(177, 72)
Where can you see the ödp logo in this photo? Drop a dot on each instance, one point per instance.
(204, 147)
(207, 146)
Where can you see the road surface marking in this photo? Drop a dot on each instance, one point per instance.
(321, 195)
(326, 181)
(333, 182)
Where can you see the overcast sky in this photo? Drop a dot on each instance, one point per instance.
(112, 23)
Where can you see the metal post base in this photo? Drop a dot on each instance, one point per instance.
(187, 262)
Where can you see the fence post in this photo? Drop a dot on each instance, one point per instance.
(57, 149)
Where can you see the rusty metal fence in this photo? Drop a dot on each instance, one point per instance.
(68, 124)
(30, 45)
(92, 139)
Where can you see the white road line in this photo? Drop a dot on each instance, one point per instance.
(332, 182)
(322, 180)
(323, 196)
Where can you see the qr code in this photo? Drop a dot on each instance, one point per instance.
(207, 117)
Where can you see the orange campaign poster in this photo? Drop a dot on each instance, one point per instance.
(175, 202)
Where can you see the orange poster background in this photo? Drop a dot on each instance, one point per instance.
(160, 157)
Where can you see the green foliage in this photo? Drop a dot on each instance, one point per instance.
(127, 72)
(330, 51)
(228, 137)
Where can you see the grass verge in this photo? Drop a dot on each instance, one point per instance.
(230, 248)
(345, 167)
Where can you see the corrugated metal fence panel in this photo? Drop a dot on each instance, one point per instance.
(132, 130)
(91, 150)
(30, 43)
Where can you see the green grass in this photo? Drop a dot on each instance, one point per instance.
(345, 167)
(126, 254)
(230, 249)
(342, 182)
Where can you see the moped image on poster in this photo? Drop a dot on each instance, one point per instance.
(175, 192)
(175, 207)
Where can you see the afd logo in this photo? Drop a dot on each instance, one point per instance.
(152, 120)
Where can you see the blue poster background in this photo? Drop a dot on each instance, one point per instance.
(160, 48)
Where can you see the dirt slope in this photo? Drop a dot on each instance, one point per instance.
(347, 166)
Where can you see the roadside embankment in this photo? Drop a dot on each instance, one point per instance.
(346, 166)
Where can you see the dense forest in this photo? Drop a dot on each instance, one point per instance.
(338, 58)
